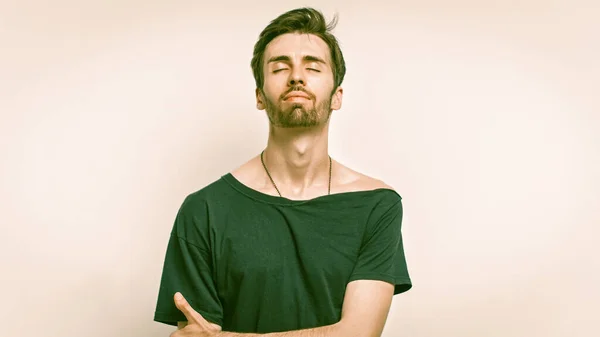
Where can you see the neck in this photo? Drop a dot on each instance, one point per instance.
(298, 159)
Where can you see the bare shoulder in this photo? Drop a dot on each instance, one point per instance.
(380, 184)
(370, 183)
(246, 171)
(356, 181)
(250, 174)
(249, 170)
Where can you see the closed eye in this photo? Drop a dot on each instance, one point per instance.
(278, 70)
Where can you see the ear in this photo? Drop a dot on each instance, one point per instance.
(260, 103)
(336, 99)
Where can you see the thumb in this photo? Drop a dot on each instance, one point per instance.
(182, 304)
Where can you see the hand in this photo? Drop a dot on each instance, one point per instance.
(197, 326)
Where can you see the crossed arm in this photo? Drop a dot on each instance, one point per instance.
(364, 313)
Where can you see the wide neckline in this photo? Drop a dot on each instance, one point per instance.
(272, 199)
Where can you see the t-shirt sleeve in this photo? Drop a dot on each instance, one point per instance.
(188, 269)
(381, 256)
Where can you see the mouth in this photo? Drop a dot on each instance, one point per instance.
(296, 96)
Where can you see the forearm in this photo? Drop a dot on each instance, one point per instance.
(323, 331)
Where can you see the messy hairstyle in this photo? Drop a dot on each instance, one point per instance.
(305, 21)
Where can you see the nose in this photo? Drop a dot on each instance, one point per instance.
(296, 77)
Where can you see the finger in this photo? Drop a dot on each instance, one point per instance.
(215, 326)
(182, 304)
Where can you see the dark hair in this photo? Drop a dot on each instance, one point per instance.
(301, 20)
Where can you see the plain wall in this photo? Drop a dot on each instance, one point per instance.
(484, 115)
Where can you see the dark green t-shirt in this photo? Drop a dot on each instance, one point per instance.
(255, 263)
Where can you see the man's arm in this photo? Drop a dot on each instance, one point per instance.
(366, 307)
(364, 313)
(182, 324)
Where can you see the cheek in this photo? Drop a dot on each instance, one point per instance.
(270, 94)
(272, 88)
(321, 85)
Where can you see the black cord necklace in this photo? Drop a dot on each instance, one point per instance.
(265, 166)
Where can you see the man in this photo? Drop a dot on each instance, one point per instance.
(291, 243)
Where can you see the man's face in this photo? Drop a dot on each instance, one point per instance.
(298, 82)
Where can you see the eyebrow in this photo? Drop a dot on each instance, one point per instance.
(307, 58)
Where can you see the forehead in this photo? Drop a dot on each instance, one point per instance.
(297, 45)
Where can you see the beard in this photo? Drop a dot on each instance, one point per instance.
(298, 115)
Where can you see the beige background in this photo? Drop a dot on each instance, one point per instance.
(484, 115)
